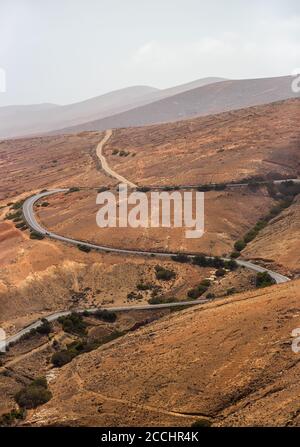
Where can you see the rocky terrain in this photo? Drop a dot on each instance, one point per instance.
(239, 369)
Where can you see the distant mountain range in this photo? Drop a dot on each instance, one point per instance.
(143, 105)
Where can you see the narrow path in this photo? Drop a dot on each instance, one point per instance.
(104, 164)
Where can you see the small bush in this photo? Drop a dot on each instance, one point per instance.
(45, 328)
(34, 394)
(144, 286)
(220, 273)
(106, 315)
(8, 419)
(239, 245)
(210, 296)
(235, 254)
(84, 248)
(164, 274)
(201, 423)
(264, 279)
(182, 258)
(36, 235)
(73, 324)
(61, 358)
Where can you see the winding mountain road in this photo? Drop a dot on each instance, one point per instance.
(33, 224)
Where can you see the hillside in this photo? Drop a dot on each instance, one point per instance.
(206, 100)
(238, 370)
(279, 241)
(16, 121)
(219, 148)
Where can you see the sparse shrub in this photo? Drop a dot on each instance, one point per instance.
(106, 315)
(7, 419)
(239, 245)
(230, 291)
(34, 394)
(220, 273)
(205, 283)
(103, 189)
(45, 328)
(201, 423)
(74, 189)
(73, 324)
(144, 286)
(61, 358)
(264, 279)
(164, 274)
(143, 189)
(84, 248)
(36, 235)
(231, 264)
(210, 296)
(182, 258)
(200, 260)
(235, 254)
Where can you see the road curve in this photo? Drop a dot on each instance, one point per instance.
(53, 317)
(31, 221)
(29, 217)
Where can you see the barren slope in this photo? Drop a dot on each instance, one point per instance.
(30, 164)
(239, 369)
(220, 148)
(228, 216)
(207, 100)
(279, 242)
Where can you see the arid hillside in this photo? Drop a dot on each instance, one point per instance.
(228, 216)
(202, 101)
(229, 361)
(279, 241)
(48, 162)
(219, 148)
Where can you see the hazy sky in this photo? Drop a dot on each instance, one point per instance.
(64, 51)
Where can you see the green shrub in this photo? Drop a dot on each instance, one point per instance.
(231, 265)
(106, 315)
(230, 291)
(239, 245)
(144, 286)
(182, 258)
(200, 260)
(8, 419)
(264, 279)
(36, 235)
(34, 394)
(84, 248)
(164, 274)
(210, 296)
(61, 358)
(45, 328)
(201, 423)
(73, 324)
(220, 273)
(235, 254)
(205, 283)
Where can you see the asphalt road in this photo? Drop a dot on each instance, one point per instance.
(29, 217)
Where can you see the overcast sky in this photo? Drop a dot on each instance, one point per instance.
(63, 51)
